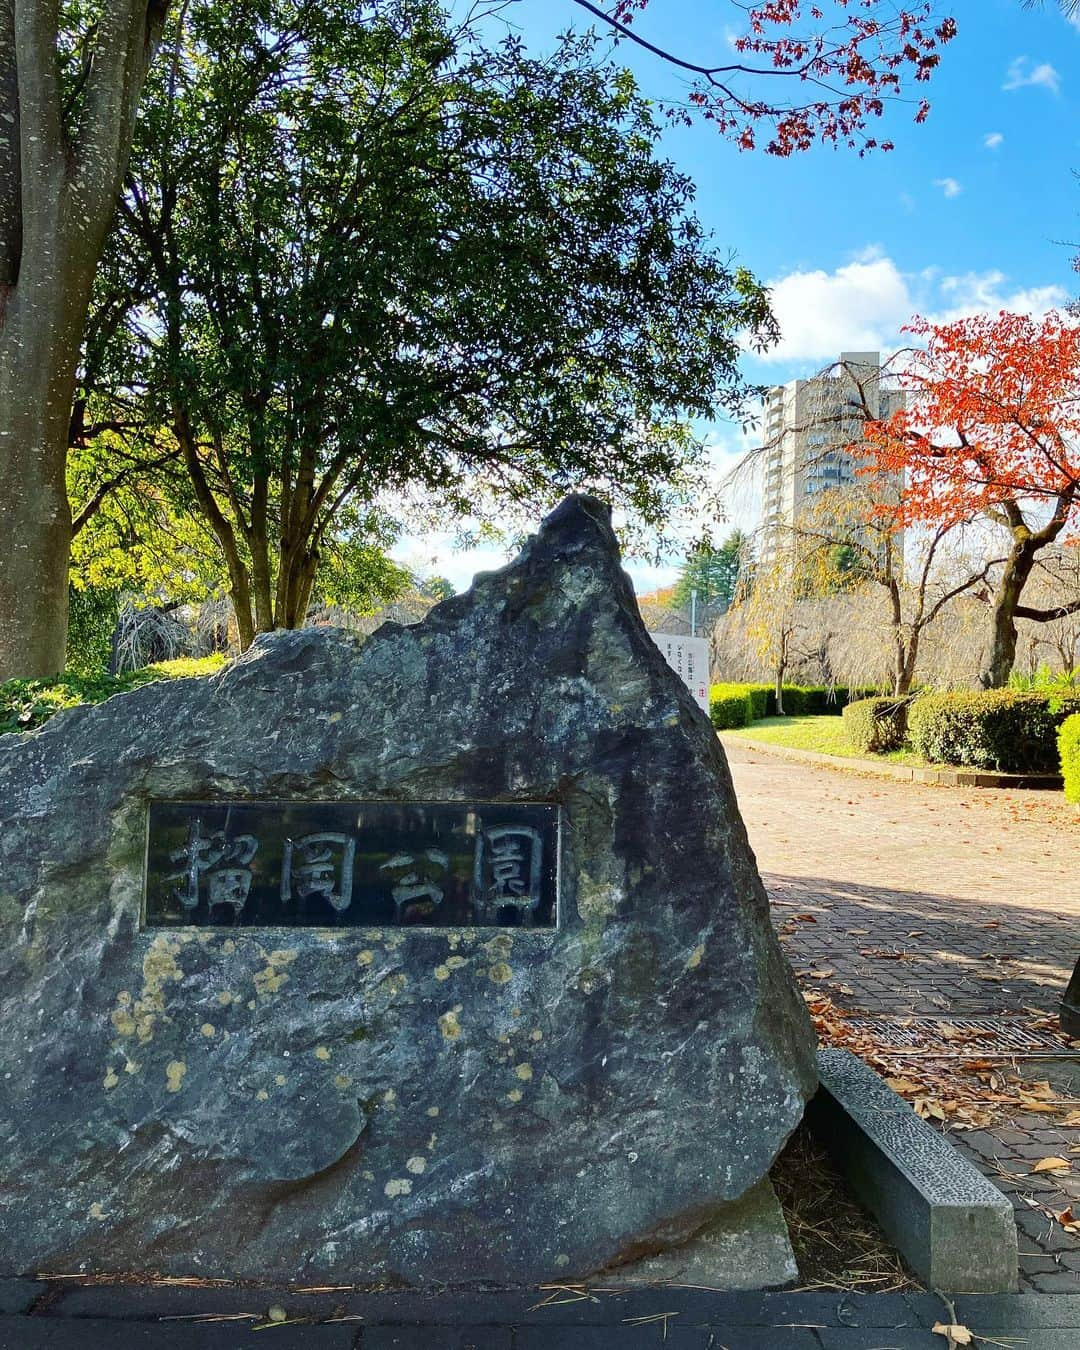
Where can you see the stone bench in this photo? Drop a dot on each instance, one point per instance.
(954, 1228)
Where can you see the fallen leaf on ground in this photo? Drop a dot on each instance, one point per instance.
(1052, 1165)
(953, 1332)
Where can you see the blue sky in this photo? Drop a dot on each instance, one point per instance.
(948, 222)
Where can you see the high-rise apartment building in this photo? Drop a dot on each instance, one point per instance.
(808, 426)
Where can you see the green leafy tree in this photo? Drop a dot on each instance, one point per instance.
(373, 262)
(71, 75)
(437, 588)
(714, 575)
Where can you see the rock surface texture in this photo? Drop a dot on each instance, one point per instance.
(410, 1106)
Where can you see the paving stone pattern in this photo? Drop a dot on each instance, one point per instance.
(933, 901)
(121, 1318)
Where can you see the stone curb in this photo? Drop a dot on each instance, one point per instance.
(908, 773)
(954, 1227)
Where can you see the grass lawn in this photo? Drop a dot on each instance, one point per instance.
(823, 734)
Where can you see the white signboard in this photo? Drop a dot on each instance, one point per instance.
(688, 657)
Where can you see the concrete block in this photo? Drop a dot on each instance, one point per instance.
(955, 1229)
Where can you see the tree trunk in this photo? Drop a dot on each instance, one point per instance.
(38, 347)
(1002, 654)
(905, 674)
(900, 651)
(41, 322)
(58, 189)
(779, 686)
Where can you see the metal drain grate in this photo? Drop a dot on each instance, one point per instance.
(964, 1037)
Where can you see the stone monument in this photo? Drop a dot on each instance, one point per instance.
(436, 959)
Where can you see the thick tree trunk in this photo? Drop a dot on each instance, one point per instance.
(35, 519)
(58, 187)
(1001, 656)
(41, 319)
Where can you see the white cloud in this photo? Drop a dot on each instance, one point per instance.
(993, 139)
(949, 186)
(856, 308)
(862, 305)
(987, 293)
(439, 554)
(1042, 75)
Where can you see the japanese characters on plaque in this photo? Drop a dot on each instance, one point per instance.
(688, 657)
(351, 864)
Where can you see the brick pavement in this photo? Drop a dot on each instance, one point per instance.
(933, 901)
(111, 1317)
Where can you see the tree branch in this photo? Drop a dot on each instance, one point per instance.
(1048, 615)
(110, 485)
(128, 37)
(41, 128)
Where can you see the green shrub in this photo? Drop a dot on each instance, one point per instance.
(1069, 752)
(1003, 729)
(761, 697)
(25, 704)
(730, 706)
(762, 700)
(799, 700)
(876, 725)
(92, 616)
(1046, 681)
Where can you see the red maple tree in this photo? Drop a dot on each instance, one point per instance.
(991, 429)
(848, 57)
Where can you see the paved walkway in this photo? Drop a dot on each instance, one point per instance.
(104, 1318)
(932, 901)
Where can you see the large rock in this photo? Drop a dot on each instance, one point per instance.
(415, 1106)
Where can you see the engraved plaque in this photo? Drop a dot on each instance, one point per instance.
(296, 864)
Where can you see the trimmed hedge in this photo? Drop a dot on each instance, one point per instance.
(876, 725)
(730, 705)
(800, 700)
(762, 699)
(25, 704)
(1002, 729)
(1069, 753)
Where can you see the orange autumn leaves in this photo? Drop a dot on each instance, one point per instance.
(992, 421)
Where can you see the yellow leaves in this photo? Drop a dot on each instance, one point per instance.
(1067, 1219)
(1052, 1165)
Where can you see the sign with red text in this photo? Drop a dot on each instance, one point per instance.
(688, 657)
